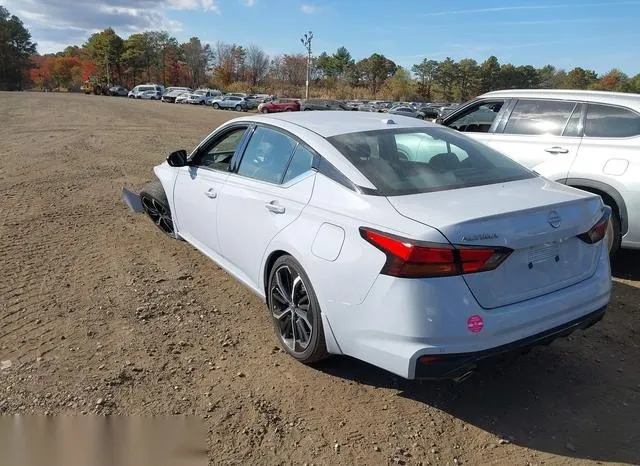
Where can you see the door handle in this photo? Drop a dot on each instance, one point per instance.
(211, 194)
(274, 207)
(557, 150)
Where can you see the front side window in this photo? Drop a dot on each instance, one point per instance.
(218, 155)
(411, 161)
(477, 118)
(606, 121)
(267, 155)
(535, 117)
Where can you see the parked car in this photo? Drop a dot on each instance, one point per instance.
(425, 262)
(172, 93)
(136, 92)
(323, 104)
(202, 96)
(585, 139)
(182, 98)
(279, 105)
(231, 102)
(253, 101)
(406, 111)
(430, 113)
(149, 95)
(118, 91)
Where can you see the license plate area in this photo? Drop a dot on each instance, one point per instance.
(544, 253)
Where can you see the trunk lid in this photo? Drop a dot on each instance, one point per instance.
(536, 218)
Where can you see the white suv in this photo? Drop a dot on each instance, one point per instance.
(585, 139)
(136, 92)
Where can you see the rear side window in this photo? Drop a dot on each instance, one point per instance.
(267, 155)
(539, 117)
(419, 160)
(605, 121)
(300, 163)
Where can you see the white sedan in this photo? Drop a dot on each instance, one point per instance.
(395, 241)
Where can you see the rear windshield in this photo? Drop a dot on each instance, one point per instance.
(419, 160)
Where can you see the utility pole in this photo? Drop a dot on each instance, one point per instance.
(306, 41)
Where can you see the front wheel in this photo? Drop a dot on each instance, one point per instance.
(156, 206)
(613, 233)
(264, 110)
(295, 311)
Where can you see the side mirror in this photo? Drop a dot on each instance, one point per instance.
(177, 158)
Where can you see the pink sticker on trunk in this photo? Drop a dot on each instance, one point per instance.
(475, 324)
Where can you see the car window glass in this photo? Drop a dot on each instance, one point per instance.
(539, 117)
(218, 156)
(420, 160)
(267, 155)
(605, 121)
(574, 125)
(477, 119)
(300, 163)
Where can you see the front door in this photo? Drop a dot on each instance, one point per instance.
(198, 186)
(273, 183)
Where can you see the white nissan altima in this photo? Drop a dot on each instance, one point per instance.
(399, 242)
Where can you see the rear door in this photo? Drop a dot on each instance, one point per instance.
(543, 135)
(478, 119)
(268, 191)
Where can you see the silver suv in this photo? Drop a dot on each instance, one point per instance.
(585, 139)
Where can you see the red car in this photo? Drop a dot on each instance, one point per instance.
(279, 105)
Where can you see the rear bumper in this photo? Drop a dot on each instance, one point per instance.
(451, 366)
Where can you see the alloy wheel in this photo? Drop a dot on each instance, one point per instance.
(291, 309)
(158, 213)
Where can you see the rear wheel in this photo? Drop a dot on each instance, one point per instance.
(295, 311)
(238, 108)
(288, 110)
(613, 232)
(156, 206)
(216, 106)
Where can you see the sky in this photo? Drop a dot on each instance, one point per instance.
(593, 34)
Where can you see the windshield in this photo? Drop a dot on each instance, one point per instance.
(418, 160)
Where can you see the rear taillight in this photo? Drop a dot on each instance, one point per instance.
(599, 230)
(415, 259)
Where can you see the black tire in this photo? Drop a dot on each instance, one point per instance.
(614, 223)
(238, 108)
(314, 349)
(264, 110)
(215, 105)
(156, 206)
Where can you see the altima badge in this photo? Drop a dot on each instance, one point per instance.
(479, 236)
(554, 219)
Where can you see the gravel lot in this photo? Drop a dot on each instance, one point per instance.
(99, 313)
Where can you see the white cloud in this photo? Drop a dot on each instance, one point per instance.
(70, 22)
(308, 9)
(249, 3)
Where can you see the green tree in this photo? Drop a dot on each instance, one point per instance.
(16, 50)
(105, 48)
(446, 76)
(425, 72)
(489, 75)
(375, 70)
(135, 56)
(198, 58)
(398, 86)
(342, 62)
(468, 78)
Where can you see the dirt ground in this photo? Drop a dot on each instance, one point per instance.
(99, 313)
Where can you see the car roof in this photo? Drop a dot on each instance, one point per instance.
(618, 98)
(333, 123)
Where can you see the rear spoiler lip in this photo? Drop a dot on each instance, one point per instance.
(132, 200)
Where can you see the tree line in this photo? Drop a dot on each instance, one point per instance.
(156, 56)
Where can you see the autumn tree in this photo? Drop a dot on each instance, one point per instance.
(579, 78)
